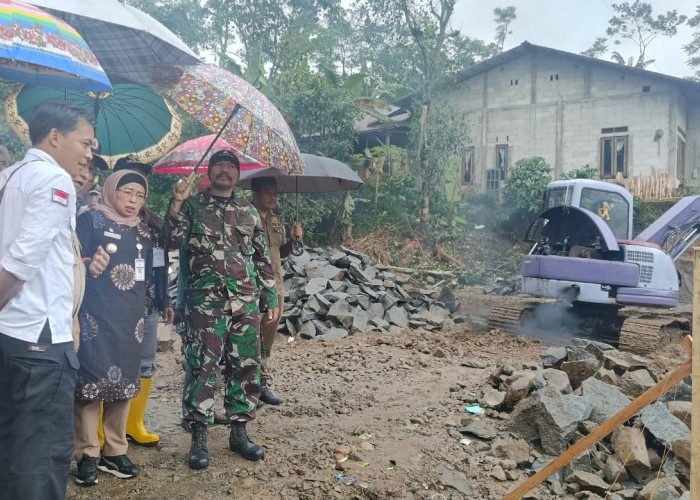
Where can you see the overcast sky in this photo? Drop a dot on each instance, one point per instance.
(573, 25)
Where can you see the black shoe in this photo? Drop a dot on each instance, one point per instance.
(87, 471)
(266, 395)
(199, 454)
(119, 466)
(239, 442)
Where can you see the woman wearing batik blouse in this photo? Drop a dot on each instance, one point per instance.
(111, 326)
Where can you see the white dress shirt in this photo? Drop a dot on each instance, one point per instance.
(37, 216)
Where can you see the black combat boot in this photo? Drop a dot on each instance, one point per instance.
(266, 395)
(199, 454)
(239, 442)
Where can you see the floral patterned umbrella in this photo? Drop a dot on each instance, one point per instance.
(213, 96)
(187, 155)
(40, 49)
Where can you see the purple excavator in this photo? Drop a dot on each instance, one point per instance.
(584, 256)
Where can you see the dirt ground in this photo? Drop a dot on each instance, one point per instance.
(391, 403)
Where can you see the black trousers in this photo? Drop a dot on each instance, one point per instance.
(37, 384)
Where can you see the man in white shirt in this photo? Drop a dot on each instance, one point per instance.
(37, 361)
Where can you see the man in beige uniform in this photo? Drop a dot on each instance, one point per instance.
(265, 200)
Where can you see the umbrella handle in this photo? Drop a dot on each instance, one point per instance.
(297, 248)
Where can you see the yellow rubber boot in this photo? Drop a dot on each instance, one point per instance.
(100, 430)
(135, 429)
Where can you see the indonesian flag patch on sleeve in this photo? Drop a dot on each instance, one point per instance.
(59, 196)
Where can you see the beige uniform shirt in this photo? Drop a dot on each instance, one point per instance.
(280, 248)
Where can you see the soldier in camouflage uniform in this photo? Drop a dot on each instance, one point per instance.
(229, 284)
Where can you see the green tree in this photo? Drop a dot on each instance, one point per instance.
(525, 185)
(503, 17)
(692, 48)
(636, 22)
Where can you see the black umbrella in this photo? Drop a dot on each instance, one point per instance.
(321, 175)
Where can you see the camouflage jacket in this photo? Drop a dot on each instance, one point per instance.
(228, 260)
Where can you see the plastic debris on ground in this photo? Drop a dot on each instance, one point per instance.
(475, 409)
(347, 481)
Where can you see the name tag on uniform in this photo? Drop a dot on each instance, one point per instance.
(140, 269)
(158, 257)
(110, 234)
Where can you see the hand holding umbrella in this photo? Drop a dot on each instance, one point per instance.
(182, 189)
(297, 234)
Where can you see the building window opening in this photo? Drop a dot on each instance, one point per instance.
(613, 156)
(495, 176)
(467, 166)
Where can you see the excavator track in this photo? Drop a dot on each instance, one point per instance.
(644, 335)
(506, 317)
(558, 321)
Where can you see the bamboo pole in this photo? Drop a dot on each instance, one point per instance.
(695, 416)
(604, 429)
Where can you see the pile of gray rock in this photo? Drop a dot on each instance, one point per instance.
(547, 408)
(333, 293)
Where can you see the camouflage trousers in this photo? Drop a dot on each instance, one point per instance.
(233, 341)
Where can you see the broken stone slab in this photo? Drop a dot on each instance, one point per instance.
(334, 334)
(558, 420)
(326, 271)
(578, 353)
(315, 285)
(379, 323)
(291, 329)
(659, 489)
(337, 285)
(308, 314)
(605, 399)
(389, 300)
(516, 450)
(661, 424)
(682, 410)
(614, 470)
(313, 304)
(622, 361)
(368, 290)
(635, 382)
(342, 313)
(553, 356)
(356, 272)
(360, 321)
(323, 300)
(557, 380)
(681, 392)
(375, 311)
(518, 389)
(307, 330)
(492, 398)
(456, 480)
(398, 316)
(588, 481)
(437, 315)
(321, 328)
(482, 428)
(333, 297)
(580, 370)
(630, 448)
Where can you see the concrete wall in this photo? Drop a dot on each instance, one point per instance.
(555, 107)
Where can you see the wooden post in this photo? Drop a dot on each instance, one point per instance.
(695, 418)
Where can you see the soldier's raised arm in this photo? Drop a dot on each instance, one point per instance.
(178, 218)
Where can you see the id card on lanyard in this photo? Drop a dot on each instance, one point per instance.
(139, 265)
